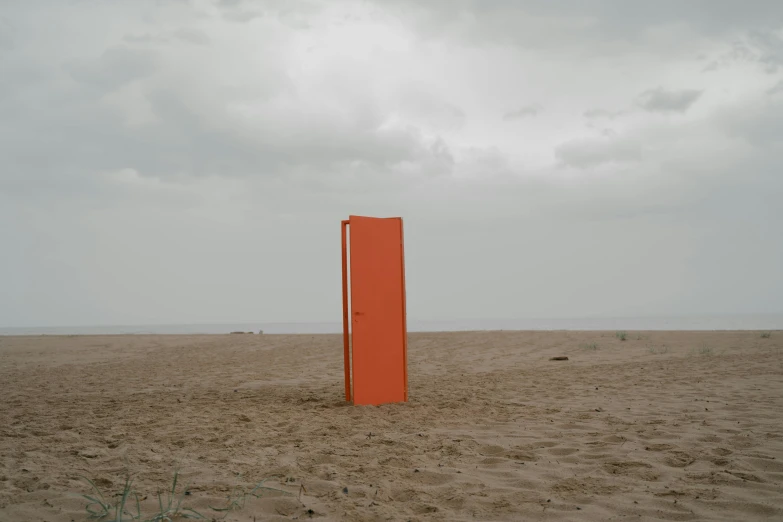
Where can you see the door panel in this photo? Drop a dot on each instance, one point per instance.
(379, 337)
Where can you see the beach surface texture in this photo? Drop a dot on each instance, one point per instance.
(640, 426)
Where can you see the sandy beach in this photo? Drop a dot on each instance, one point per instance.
(660, 426)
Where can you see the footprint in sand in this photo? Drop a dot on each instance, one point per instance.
(659, 447)
(493, 461)
(678, 459)
(637, 469)
(544, 444)
(491, 449)
(773, 466)
(562, 452)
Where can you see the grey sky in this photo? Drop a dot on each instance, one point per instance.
(190, 161)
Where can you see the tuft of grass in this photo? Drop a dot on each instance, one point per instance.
(98, 507)
(169, 509)
(765, 335)
(622, 335)
(705, 350)
(172, 506)
(238, 496)
(658, 350)
(591, 346)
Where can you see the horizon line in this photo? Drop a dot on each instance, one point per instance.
(410, 320)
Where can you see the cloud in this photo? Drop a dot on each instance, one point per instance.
(524, 112)
(581, 26)
(193, 36)
(435, 112)
(769, 48)
(146, 38)
(589, 153)
(758, 46)
(242, 16)
(6, 34)
(127, 155)
(188, 139)
(159, 115)
(597, 114)
(183, 34)
(759, 123)
(776, 89)
(292, 14)
(662, 100)
(114, 68)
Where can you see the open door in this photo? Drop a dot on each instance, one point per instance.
(374, 321)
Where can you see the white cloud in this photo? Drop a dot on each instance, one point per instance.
(191, 161)
(524, 112)
(596, 152)
(194, 36)
(663, 100)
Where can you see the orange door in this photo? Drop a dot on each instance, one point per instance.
(377, 312)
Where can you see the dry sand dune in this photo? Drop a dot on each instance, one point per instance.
(662, 426)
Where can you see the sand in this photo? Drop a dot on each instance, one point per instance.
(661, 426)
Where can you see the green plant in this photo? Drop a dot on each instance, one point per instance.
(238, 495)
(236, 500)
(172, 507)
(170, 502)
(705, 350)
(766, 335)
(591, 346)
(99, 508)
(168, 509)
(658, 350)
(621, 335)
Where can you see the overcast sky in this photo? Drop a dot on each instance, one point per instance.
(190, 161)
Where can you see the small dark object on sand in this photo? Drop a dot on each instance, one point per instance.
(559, 358)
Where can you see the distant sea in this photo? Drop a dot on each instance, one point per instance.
(711, 322)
